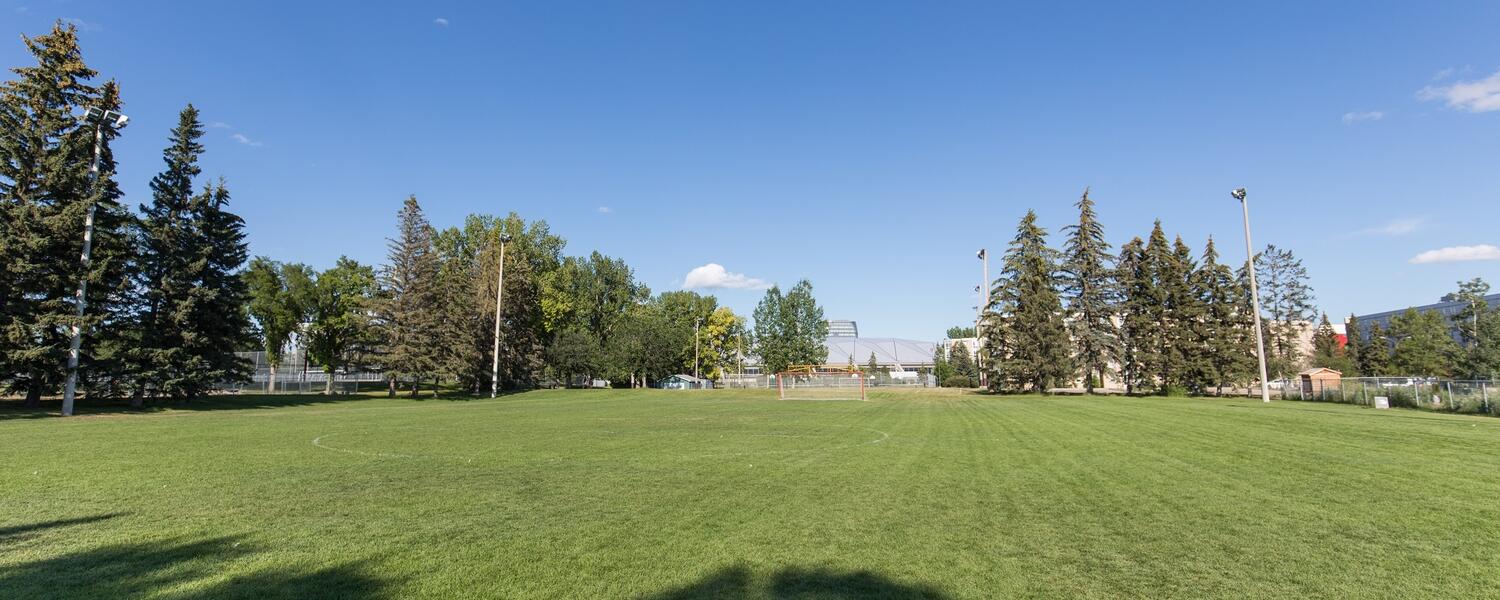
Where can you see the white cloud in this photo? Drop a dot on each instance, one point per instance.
(1481, 95)
(1400, 226)
(240, 137)
(604, 210)
(440, 22)
(1457, 254)
(83, 25)
(1355, 117)
(218, 125)
(714, 276)
(1443, 74)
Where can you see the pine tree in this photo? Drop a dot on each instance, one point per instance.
(1037, 349)
(411, 312)
(1353, 348)
(46, 193)
(941, 370)
(1138, 315)
(962, 363)
(1226, 325)
(1089, 291)
(1376, 353)
(458, 326)
(219, 323)
(1327, 353)
(1159, 267)
(1186, 350)
(1287, 298)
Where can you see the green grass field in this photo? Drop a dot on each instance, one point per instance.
(729, 494)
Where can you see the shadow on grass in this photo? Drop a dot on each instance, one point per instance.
(12, 409)
(798, 584)
(181, 570)
(19, 532)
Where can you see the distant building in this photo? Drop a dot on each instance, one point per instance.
(1447, 309)
(683, 382)
(843, 329)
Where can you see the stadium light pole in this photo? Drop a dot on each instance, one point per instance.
(696, 324)
(984, 304)
(499, 297)
(1260, 343)
(101, 119)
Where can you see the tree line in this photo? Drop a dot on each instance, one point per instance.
(1419, 342)
(1156, 314)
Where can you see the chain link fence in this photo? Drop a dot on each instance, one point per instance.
(1428, 393)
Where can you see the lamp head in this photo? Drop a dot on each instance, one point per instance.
(980, 255)
(1239, 194)
(505, 238)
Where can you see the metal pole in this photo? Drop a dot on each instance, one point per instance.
(984, 304)
(1260, 343)
(499, 297)
(695, 352)
(75, 345)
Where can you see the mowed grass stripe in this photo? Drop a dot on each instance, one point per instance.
(619, 493)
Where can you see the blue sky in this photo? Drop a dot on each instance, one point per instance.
(871, 147)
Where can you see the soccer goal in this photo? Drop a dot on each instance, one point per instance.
(792, 385)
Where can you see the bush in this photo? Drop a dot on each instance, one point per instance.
(959, 381)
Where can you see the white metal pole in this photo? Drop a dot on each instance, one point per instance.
(695, 352)
(1260, 343)
(499, 297)
(70, 390)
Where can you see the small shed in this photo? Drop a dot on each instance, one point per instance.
(1319, 381)
(682, 381)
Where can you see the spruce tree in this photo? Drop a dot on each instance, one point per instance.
(410, 313)
(1376, 353)
(1326, 352)
(46, 193)
(1185, 366)
(1030, 313)
(1159, 268)
(1353, 346)
(1089, 290)
(218, 322)
(1226, 324)
(459, 324)
(1138, 314)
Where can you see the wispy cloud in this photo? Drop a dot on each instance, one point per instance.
(82, 25)
(440, 22)
(715, 276)
(1457, 254)
(240, 137)
(1355, 117)
(1401, 226)
(219, 125)
(604, 210)
(1443, 74)
(1480, 95)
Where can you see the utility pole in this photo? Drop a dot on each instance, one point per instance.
(101, 119)
(1260, 343)
(499, 298)
(984, 304)
(696, 324)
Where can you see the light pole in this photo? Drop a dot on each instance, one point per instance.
(984, 304)
(101, 119)
(1260, 343)
(696, 324)
(499, 297)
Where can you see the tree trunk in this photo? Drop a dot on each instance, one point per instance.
(390, 390)
(328, 384)
(416, 383)
(138, 397)
(271, 383)
(33, 395)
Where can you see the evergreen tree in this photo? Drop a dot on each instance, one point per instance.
(411, 313)
(219, 321)
(1089, 291)
(1186, 353)
(1423, 346)
(46, 194)
(1327, 353)
(1376, 353)
(278, 301)
(962, 363)
(1287, 299)
(1139, 315)
(1227, 348)
(1158, 268)
(941, 370)
(1477, 326)
(1037, 349)
(460, 337)
(1353, 348)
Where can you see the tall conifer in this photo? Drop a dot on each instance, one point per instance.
(1037, 349)
(1089, 290)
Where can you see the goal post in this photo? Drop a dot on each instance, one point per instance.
(812, 385)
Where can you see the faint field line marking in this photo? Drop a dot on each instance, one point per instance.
(318, 441)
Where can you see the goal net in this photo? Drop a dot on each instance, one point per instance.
(820, 386)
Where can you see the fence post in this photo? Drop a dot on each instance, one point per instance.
(1449, 385)
(1484, 395)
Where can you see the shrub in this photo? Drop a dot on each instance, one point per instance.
(959, 381)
